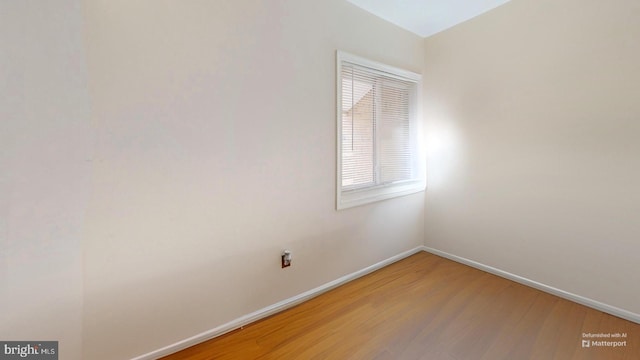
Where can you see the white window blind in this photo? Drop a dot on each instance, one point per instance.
(377, 128)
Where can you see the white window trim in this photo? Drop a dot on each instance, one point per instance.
(351, 198)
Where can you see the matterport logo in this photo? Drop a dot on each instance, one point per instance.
(613, 340)
(32, 350)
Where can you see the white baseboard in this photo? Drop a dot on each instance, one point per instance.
(270, 310)
(621, 313)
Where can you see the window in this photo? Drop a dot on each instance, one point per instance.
(378, 132)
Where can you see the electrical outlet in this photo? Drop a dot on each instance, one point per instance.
(286, 258)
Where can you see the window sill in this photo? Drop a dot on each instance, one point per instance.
(352, 198)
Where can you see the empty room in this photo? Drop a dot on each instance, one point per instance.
(329, 179)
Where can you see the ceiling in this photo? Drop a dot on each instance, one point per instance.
(427, 17)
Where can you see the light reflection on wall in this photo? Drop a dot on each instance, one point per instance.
(444, 153)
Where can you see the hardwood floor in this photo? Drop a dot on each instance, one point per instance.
(426, 307)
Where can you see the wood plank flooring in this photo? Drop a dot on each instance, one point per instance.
(426, 307)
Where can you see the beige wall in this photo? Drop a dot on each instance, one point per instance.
(45, 171)
(215, 125)
(533, 115)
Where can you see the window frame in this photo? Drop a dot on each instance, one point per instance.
(381, 191)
